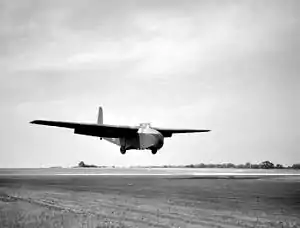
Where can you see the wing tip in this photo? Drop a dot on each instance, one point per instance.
(35, 122)
(198, 131)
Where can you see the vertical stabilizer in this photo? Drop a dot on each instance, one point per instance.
(100, 116)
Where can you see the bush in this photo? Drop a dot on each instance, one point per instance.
(296, 166)
(267, 165)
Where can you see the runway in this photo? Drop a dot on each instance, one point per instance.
(131, 197)
(193, 172)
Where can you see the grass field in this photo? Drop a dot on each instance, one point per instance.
(148, 201)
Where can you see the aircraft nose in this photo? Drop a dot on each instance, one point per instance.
(160, 142)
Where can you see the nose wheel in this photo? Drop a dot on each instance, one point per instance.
(154, 151)
(122, 150)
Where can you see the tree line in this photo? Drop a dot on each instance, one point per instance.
(248, 165)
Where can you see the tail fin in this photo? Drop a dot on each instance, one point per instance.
(100, 116)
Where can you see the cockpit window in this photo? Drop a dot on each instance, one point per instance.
(145, 125)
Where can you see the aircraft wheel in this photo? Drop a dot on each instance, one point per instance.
(154, 151)
(122, 150)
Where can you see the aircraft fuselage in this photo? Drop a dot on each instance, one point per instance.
(145, 138)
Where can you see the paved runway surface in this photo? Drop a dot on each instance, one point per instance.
(152, 171)
(149, 198)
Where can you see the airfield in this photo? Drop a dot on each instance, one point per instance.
(141, 197)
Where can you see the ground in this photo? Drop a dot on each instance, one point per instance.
(148, 198)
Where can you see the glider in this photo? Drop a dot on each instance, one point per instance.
(139, 137)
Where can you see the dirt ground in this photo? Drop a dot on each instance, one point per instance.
(148, 201)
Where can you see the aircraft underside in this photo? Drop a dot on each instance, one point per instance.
(141, 141)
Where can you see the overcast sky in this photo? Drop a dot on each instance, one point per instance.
(229, 66)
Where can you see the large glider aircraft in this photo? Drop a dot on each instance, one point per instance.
(139, 137)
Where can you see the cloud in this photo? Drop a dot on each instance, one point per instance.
(228, 66)
(156, 40)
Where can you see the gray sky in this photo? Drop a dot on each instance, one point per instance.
(229, 66)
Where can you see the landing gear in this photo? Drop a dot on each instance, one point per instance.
(154, 151)
(122, 150)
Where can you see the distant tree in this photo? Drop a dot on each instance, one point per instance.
(211, 166)
(296, 166)
(230, 165)
(267, 165)
(240, 166)
(279, 166)
(248, 165)
(201, 165)
(223, 165)
(255, 166)
(219, 165)
(81, 164)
